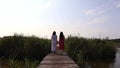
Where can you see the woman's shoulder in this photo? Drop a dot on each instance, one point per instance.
(54, 36)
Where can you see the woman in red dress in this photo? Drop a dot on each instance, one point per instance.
(61, 42)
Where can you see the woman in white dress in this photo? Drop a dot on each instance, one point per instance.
(53, 42)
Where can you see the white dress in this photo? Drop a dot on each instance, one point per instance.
(54, 42)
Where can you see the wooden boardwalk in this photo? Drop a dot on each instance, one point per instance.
(57, 61)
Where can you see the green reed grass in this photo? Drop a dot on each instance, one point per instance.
(83, 49)
(18, 47)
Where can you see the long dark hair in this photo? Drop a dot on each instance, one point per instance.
(54, 33)
(61, 35)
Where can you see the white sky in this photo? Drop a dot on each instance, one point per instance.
(88, 18)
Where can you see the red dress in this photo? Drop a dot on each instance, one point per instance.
(61, 43)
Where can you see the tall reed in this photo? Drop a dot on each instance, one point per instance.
(83, 49)
(18, 47)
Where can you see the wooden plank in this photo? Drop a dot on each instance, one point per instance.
(63, 57)
(57, 61)
(59, 66)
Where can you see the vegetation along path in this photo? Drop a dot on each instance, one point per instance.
(57, 61)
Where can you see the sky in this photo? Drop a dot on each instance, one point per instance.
(84, 18)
